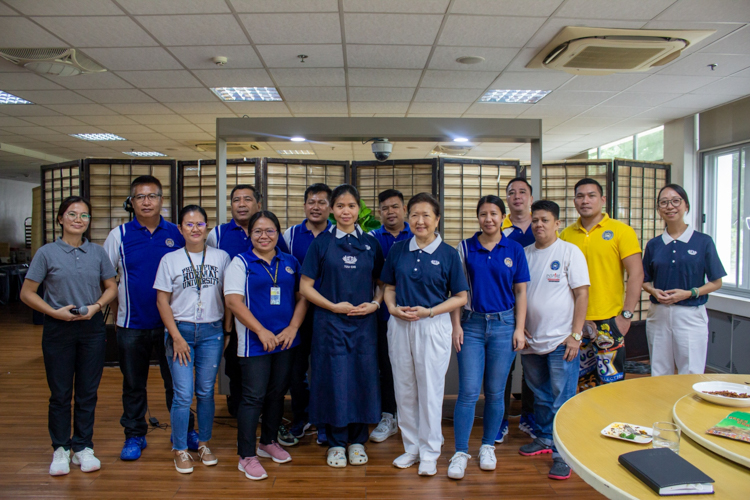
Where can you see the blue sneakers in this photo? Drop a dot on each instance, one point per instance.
(502, 432)
(322, 439)
(298, 429)
(192, 440)
(528, 425)
(131, 450)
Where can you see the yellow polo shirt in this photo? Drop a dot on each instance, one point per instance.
(604, 247)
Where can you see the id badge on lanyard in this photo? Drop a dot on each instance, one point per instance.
(275, 296)
(199, 311)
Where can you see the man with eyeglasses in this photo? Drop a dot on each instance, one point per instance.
(233, 237)
(135, 250)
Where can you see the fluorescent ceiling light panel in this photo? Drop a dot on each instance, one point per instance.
(143, 153)
(231, 94)
(297, 139)
(295, 152)
(6, 98)
(99, 137)
(460, 139)
(514, 96)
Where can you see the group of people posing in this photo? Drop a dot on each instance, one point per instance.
(373, 316)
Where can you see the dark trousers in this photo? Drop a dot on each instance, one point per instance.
(265, 380)
(135, 347)
(73, 357)
(233, 372)
(352, 433)
(298, 388)
(527, 395)
(387, 392)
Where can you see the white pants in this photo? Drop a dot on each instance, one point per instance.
(677, 336)
(420, 352)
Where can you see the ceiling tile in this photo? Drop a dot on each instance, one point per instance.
(612, 9)
(292, 28)
(100, 31)
(292, 94)
(383, 56)
(720, 30)
(287, 6)
(239, 56)
(223, 77)
(699, 101)
(663, 113)
(554, 111)
(552, 27)
(116, 96)
(698, 65)
(204, 120)
(497, 109)
(190, 136)
(392, 29)
(458, 79)
(26, 131)
(185, 108)
(522, 58)
(616, 82)
(442, 108)
(20, 32)
(318, 56)
(397, 6)
(640, 99)
(494, 59)
(158, 119)
(81, 109)
(128, 129)
(52, 97)
(505, 7)
(382, 77)
(700, 10)
(378, 107)
(182, 95)
(208, 29)
(94, 81)
(313, 77)
(139, 109)
(51, 121)
(489, 31)
(154, 58)
(672, 84)
(527, 80)
(174, 128)
(152, 137)
(106, 119)
(160, 79)
(574, 98)
(258, 107)
(318, 107)
(9, 121)
(26, 110)
(622, 112)
(140, 7)
(385, 94)
(447, 95)
(738, 42)
(727, 87)
(26, 81)
(9, 67)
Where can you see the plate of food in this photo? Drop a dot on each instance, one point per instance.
(628, 432)
(724, 393)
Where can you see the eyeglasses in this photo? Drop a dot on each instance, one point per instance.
(72, 216)
(191, 225)
(269, 232)
(151, 197)
(676, 202)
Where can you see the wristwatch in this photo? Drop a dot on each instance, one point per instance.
(576, 336)
(627, 315)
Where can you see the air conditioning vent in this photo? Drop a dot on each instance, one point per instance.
(52, 61)
(233, 148)
(595, 51)
(451, 150)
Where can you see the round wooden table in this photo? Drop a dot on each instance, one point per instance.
(640, 401)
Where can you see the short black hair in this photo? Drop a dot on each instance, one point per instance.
(390, 193)
(588, 180)
(191, 208)
(547, 206)
(495, 200)
(424, 198)
(343, 189)
(680, 191)
(519, 179)
(142, 181)
(316, 188)
(256, 193)
(67, 202)
(264, 214)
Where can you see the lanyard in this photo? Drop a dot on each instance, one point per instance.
(268, 270)
(198, 277)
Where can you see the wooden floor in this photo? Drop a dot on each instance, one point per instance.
(25, 462)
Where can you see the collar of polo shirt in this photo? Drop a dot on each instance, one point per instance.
(601, 223)
(340, 234)
(477, 245)
(162, 224)
(684, 237)
(303, 226)
(429, 248)
(68, 248)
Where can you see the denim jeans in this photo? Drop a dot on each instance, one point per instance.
(554, 381)
(487, 352)
(206, 342)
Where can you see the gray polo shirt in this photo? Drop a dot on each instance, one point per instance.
(71, 275)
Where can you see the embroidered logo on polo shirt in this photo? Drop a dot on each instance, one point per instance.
(350, 259)
(368, 247)
(289, 270)
(555, 265)
(509, 262)
(608, 235)
(435, 262)
(692, 252)
(169, 242)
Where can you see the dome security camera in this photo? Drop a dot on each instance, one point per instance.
(381, 148)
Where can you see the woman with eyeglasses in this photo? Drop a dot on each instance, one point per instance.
(681, 267)
(79, 281)
(189, 285)
(262, 292)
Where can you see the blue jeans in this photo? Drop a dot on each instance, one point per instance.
(206, 342)
(554, 381)
(487, 352)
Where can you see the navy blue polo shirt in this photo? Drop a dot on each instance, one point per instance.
(492, 274)
(136, 253)
(231, 238)
(515, 233)
(299, 238)
(252, 277)
(387, 240)
(423, 277)
(685, 263)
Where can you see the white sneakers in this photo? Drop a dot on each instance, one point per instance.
(86, 460)
(487, 460)
(60, 462)
(427, 468)
(387, 427)
(457, 466)
(406, 460)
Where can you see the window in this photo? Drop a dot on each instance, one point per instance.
(618, 149)
(646, 146)
(727, 213)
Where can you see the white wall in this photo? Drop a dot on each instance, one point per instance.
(15, 206)
(680, 151)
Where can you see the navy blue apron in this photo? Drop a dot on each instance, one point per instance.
(345, 382)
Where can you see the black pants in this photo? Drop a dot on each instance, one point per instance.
(233, 372)
(135, 347)
(298, 387)
(387, 392)
(265, 380)
(352, 433)
(73, 357)
(527, 395)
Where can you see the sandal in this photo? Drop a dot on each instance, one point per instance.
(336, 457)
(357, 455)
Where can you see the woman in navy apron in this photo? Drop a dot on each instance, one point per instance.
(346, 263)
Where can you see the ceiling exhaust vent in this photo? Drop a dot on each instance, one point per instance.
(233, 148)
(597, 51)
(52, 61)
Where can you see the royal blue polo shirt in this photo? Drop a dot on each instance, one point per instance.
(299, 238)
(683, 263)
(515, 233)
(135, 253)
(231, 238)
(425, 276)
(387, 240)
(252, 277)
(492, 273)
